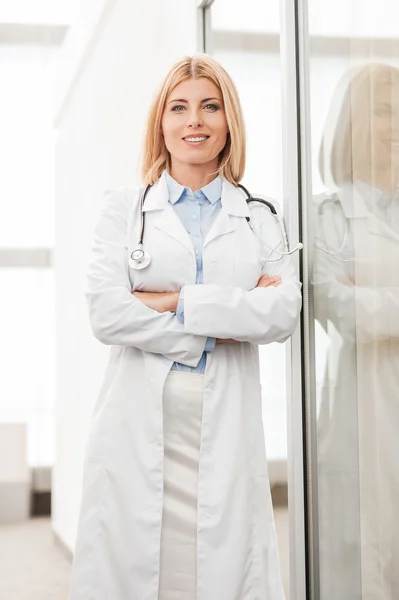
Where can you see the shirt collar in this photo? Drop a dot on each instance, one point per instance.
(359, 198)
(212, 191)
(374, 197)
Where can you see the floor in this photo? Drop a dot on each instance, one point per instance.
(33, 567)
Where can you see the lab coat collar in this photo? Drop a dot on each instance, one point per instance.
(358, 199)
(158, 195)
(352, 203)
(355, 198)
(232, 199)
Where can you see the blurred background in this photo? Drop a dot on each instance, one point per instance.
(76, 80)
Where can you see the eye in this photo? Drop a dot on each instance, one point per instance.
(174, 108)
(213, 107)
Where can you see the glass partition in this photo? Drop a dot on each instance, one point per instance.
(352, 228)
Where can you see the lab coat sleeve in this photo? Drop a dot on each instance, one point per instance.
(359, 312)
(210, 342)
(259, 316)
(180, 306)
(116, 316)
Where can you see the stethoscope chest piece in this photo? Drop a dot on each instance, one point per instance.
(139, 259)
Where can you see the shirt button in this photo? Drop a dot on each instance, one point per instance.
(197, 252)
(195, 217)
(197, 194)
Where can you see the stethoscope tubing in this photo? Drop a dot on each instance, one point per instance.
(249, 199)
(328, 250)
(142, 214)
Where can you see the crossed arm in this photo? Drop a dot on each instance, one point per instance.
(268, 313)
(168, 301)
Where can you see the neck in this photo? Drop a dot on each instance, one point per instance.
(194, 177)
(386, 179)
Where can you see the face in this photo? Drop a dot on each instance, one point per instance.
(385, 119)
(376, 155)
(194, 123)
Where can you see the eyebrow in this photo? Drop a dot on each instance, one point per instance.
(204, 100)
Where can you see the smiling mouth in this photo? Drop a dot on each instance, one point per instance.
(199, 139)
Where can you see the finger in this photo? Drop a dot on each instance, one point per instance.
(269, 278)
(268, 282)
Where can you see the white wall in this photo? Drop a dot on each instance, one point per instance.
(39, 11)
(98, 143)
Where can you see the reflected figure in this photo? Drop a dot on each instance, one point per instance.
(356, 291)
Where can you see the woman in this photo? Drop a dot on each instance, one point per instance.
(356, 285)
(176, 499)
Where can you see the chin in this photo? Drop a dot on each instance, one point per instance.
(198, 160)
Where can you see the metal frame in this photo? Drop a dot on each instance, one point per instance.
(295, 347)
(204, 38)
(308, 321)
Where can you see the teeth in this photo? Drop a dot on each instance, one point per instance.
(196, 139)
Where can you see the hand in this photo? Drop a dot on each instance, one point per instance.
(346, 281)
(267, 281)
(161, 302)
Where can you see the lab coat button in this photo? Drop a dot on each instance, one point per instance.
(207, 516)
(208, 449)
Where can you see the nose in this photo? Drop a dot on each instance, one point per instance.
(195, 119)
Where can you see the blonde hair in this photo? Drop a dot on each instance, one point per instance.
(156, 157)
(346, 138)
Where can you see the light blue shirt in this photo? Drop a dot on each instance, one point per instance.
(197, 211)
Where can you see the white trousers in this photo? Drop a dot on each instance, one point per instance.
(182, 417)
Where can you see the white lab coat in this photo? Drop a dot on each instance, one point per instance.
(118, 542)
(357, 302)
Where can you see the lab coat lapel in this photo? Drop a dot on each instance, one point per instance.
(222, 224)
(375, 224)
(166, 219)
(169, 222)
(233, 204)
(355, 207)
(378, 227)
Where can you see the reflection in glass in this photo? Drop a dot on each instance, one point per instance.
(356, 292)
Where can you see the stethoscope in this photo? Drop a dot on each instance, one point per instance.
(140, 258)
(336, 253)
